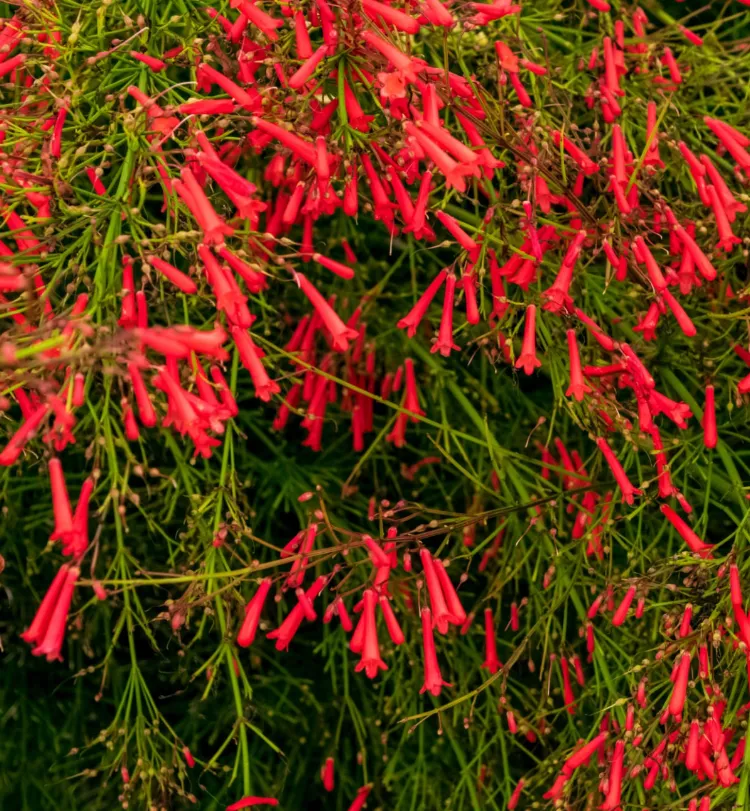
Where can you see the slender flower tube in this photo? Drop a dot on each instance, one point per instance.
(326, 774)
(442, 614)
(679, 691)
(491, 661)
(528, 360)
(578, 387)
(391, 623)
(444, 343)
(621, 613)
(179, 279)
(340, 333)
(694, 543)
(253, 611)
(412, 320)
(370, 661)
(433, 679)
(628, 490)
(60, 503)
(51, 643)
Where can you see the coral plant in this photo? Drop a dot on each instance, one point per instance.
(373, 387)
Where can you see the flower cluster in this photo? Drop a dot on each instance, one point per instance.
(321, 213)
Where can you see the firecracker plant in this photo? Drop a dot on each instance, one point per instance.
(374, 390)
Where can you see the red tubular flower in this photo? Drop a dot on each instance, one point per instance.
(412, 320)
(452, 145)
(679, 692)
(213, 227)
(60, 503)
(581, 756)
(450, 594)
(36, 631)
(578, 388)
(654, 272)
(179, 279)
(56, 140)
(528, 360)
(690, 36)
(338, 268)
(145, 407)
(601, 338)
(151, 62)
(391, 623)
(17, 442)
(306, 70)
(403, 63)
(326, 774)
(621, 613)
(612, 800)
(727, 240)
(254, 279)
(442, 614)
(188, 755)
(453, 172)
(225, 393)
(652, 135)
(731, 205)
(516, 795)
(586, 165)
(289, 627)
(207, 107)
(411, 399)
(253, 611)
(523, 97)
(301, 148)
(78, 540)
(377, 555)
(694, 543)
(741, 618)
(702, 262)
(399, 20)
(49, 631)
(360, 799)
(259, 18)
(568, 695)
(340, 333)
(371, 661)
(683, 319)
(444, 343)
(433, 679)
(491, 661)
(464, 240)
(687, 614)
(250, 802)
(239, 190)
(127, 317)
(418, 223)
(628, 490)
(672, 66)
